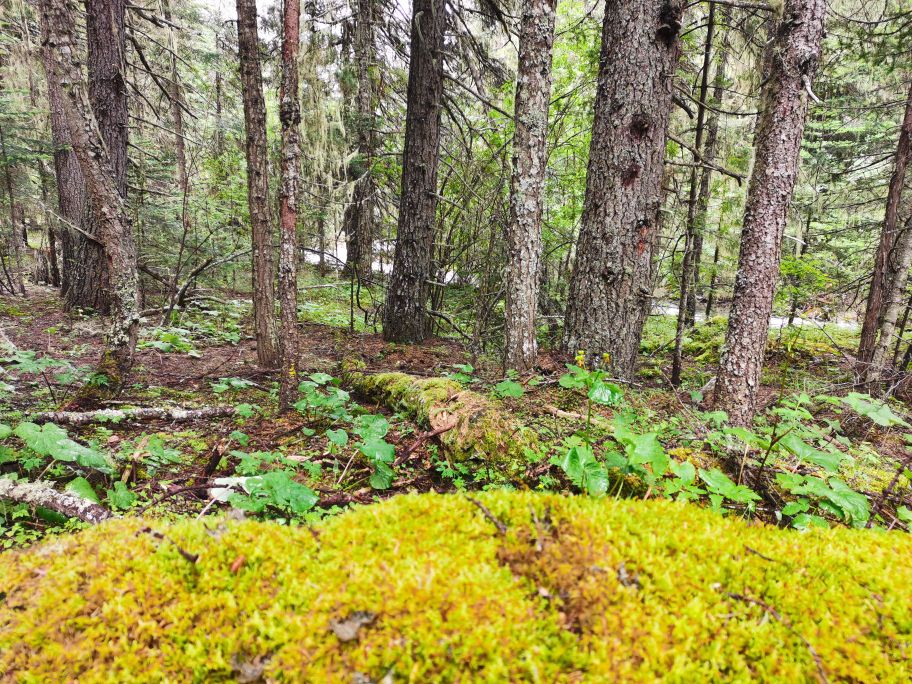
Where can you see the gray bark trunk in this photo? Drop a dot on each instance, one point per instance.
(533, 93)
(258, 185)
(792, 59)
(290, 115)
(610, 288)
(405, 316)
(898, 265)
(879, 284)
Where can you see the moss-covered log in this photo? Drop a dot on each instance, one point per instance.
(425, 588)
(469, 424)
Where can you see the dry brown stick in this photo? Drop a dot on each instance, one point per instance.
(65, 503)
(116, 415)
(500, 525)
(422, 438)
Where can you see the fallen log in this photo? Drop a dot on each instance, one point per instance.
(467, 424)
(117, 415)
(43, 494)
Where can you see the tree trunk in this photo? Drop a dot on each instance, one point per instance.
(113, 223)
(258, 185)
(687, 301)
(15, 237)
(792, 59)
(90, 282)
(405, 314)
(71, 198)
(290, 115)
(899, 261)
(533, 94)
(359, 215)
(875, 305)
(610, 289)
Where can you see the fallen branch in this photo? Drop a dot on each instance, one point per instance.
(43, 494)
(569, 415)
(499, 524)
(422, 438)
(117, 415)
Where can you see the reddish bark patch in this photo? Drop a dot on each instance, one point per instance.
(630, 174)
(639, 126)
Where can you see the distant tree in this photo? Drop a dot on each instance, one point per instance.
(877, 293)
(103, 187)
(359, 215)
(290, 116)
(610, 290)
(533, 93)
(791, 61)
(258, 185)
(405, 314)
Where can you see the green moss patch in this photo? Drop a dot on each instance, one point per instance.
(425, 588)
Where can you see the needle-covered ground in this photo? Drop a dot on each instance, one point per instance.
(524, 587)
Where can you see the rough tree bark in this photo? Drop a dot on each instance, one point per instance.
(610, 288)
(533, 93)
(359, 215)
(888, 237)
(405, 314)
(894, 296)
(71, 198)
(290, 115)
(258, 185)
(90, 280)
(690, 266)
(792, 59)
(114, 231)
(15, 236)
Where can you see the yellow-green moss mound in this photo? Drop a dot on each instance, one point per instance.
(425, 588)
(468, 424)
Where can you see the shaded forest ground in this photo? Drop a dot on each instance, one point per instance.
(207, 359)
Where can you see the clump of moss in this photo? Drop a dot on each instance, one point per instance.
(426, 588)
(469, 425)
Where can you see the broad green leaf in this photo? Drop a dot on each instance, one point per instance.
(684, 470)
(383, 476)
(120, 497)
(876, 410)
(370, 426)
(378, 450)
(795, 507)
(321, 378)
(606, 393)
(829, 461)
(509, 388)
(337, 437)
(81, 487)
(5, 431)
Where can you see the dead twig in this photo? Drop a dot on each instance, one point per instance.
(501, 527)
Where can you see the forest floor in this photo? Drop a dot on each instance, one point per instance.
(207, 359)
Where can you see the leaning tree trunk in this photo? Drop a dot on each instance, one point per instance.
(792, 59)
(876, 293)
(290, 115)
(89, 283)
(533, 93)
(113, 223)
(610, 288)
(15, 236)
(359, 215)
(258, 185)
(405, 314)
